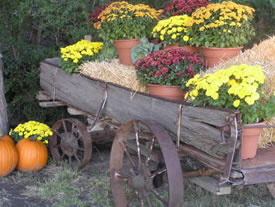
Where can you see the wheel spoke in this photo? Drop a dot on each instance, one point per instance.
(57, 146)
(160, 197)
(138, 144)
(73, 127)
(81, 149)
(148, 201)
(150, 151)
(132, 198)
(132, 172)
(128, 155)
(122, 176)
(64, 126)
(77, 159)
(70, 160)
(141, 202)
(55, 131)
(158, 172)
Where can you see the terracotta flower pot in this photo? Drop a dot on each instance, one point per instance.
(213, 56)
(186, 47)
(168, 92)
(123, 48)
(250, 140)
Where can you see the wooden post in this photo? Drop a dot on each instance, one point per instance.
(3, 103)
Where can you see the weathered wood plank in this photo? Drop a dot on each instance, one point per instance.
(46, 104)
(42, 96)
(4, 123)
(212, 185)
(86, 94)
(264, 157)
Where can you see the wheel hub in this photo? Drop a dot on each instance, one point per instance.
(68, 144)
(138, 182)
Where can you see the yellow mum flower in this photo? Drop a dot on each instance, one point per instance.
(174, 36)
(186, 38)
(236, 103)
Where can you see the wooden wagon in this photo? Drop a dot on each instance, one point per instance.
(161, 134)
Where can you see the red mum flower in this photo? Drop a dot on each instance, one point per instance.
(164, 70)
(151, 73)
(158, 74)
(171, 67)
(93, 17)
(180, 74)
(180, 7)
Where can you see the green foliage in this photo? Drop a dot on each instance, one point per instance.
(27, 29)
(64, 20)
(143, 49)
(21, 79)
(108, 52)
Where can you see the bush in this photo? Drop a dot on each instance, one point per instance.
(27, 27)
(21, 79)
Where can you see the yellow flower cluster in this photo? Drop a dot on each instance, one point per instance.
(219, 14)
(173, 28)
(120, 10)
(81, 48)
(32, 130)
(242, 82)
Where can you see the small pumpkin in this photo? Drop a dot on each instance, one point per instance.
(33, 155)
(8, 157)
(8, 138)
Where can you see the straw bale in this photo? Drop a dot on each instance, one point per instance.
(262, 54)
(113, 72)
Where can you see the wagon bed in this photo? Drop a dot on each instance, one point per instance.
(199, 132)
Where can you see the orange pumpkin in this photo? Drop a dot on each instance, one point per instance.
(8, 157)
(33, 155)
(8, 138)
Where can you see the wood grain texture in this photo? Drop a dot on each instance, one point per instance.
(3, 104)
(86, 94)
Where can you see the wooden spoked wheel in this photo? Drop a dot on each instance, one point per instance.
(143, 154)
(71, 142)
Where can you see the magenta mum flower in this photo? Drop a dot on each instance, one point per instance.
(169, 67)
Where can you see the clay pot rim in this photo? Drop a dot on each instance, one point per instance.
(254, 124)
(123, 40)
(152, 84)
(218, 48)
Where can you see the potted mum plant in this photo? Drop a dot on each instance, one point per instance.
(167, 71)
(180, 7)
(173, 32)
(221, 25)
(239, 87)
(74, 55)
(31, 138)
(125, 24)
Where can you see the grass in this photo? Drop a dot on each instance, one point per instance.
(67, 187)
(249, 196)
(60, 186)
